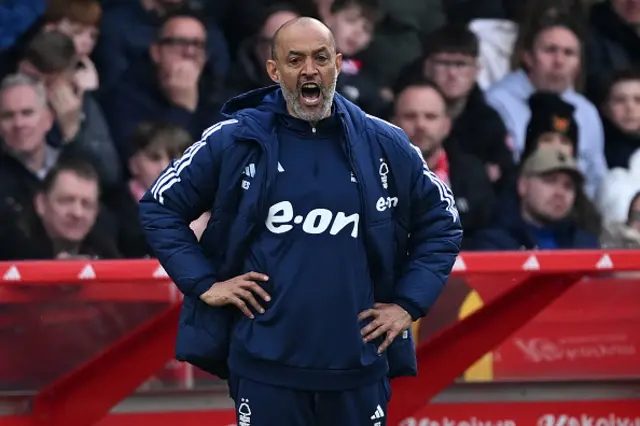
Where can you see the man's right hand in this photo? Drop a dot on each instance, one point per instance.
(238, 291)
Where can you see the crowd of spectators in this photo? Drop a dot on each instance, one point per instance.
(528, 109)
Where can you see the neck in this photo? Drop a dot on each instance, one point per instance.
(35, 160)
(456, 106)
(432, 158)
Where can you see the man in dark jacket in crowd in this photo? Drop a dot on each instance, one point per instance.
(420, 110)
(543, 217)
(451, 61)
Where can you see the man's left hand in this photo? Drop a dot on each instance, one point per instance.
(388, 319)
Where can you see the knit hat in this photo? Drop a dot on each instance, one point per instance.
(550, 114)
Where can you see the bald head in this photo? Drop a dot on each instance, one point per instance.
(292, 28)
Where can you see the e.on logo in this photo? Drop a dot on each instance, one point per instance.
(585, 420)
(318, 221)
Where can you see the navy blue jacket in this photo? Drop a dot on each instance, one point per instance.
(511, 232)
(411, 247)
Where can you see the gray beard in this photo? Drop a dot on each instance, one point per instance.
(293, 101)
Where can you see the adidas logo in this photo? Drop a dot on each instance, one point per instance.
(250, 170)
(353, 178)
(378, 414)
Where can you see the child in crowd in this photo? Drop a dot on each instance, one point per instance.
(154, 146)
(80, 20)
(621, 118)
(353, 23)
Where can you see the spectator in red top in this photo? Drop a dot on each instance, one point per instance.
(420, 110)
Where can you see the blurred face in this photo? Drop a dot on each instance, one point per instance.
(547, 198)
(84, 36)
(69, 210)
(49, 80)
(147, 166)
(352, 30)
(628, 10)
(24, 120)
(623, 106)
(634, 214)
(557, 140)
(422, 114)
(554, 61)
(454, 73)
(183, 39)
(307, 69)
(275, 21)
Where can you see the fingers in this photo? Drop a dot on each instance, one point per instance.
(391, 335)
(242, 306)
(258, 290)
(247, 296)
(255, 276)
(369, 313)
(374, 330)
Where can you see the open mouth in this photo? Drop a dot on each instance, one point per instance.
(310, 94)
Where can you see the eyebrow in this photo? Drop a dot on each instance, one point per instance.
(315, 52)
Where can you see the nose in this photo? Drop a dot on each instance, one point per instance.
(76, 211)
(309, 68)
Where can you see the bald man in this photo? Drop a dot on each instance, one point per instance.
(328, 237)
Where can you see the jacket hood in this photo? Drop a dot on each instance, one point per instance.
(263, 99)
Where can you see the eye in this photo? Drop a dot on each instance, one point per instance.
(294, 61)
(322, 58)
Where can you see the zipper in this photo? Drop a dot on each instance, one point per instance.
(358, 176)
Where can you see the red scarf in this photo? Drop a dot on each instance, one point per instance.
(441, 167)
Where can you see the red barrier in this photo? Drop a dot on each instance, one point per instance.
(82, 397)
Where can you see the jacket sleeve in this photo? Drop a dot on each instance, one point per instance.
(435, 235)
(183, 192)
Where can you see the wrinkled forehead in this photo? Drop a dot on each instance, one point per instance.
(304, 41)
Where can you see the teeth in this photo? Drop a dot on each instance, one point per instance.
(309, 86)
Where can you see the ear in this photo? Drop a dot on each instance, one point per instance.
(522, 186)
(339, 62)
(154, 52)
(447, 125)
(39, 203)
(527, 59)
(49, 117)
(272, 70)
(133, 165)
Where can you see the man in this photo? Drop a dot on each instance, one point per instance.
(26, 158)
(552, 59)
(612, 43)
(546, 220)
(328, 233)
(64, 223)
(167, 86)
(248, 72)
(420, 110)
(52, 58)
(451, 61)
(129, 28)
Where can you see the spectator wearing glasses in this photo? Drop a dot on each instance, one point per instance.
(451, 61)
(129, 28)
(168, 87)
(249, 71)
